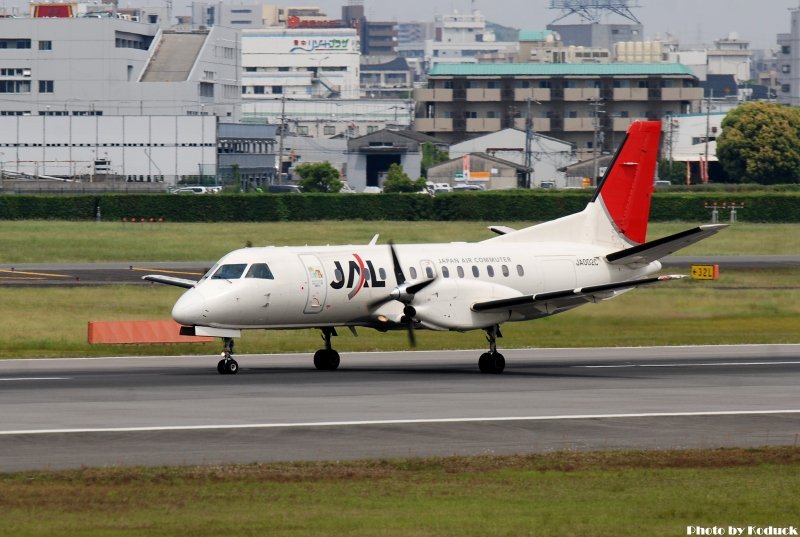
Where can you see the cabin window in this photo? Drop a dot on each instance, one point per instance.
(260, 271)
(366, 274)
(381, 273)
(445, 272)
(460, 271)
(412, 272)
(504, 268)
(429, 272)
(229, 272)
(520, 270)
(490, 271)
(475, 271)
(338, 275)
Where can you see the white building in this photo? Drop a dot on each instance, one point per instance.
(731, 56)
(685, 137)
(300, 63)
(326, 118)
(106, 65)
(548, 155)
(459, 38)
(789, 62)
(130, 148)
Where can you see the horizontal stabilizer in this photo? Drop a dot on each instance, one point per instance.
(648, 252)
(555, 298)
(170, 280)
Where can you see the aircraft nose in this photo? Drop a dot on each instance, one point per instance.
(189, 308)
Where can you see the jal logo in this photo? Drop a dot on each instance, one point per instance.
(357, 276)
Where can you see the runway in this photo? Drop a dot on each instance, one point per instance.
(172, 411)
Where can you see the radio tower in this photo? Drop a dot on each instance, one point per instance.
(592, 11)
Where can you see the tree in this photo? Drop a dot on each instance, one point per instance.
(674, 172)
(398, 181)
(431, 156)
(318, 177)
(760, 143)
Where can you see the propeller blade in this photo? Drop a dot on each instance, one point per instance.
(398, 271)
(380, 302)
(412, 338)
(417, 287)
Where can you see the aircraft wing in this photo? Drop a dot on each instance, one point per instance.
(170, 280)
(655, 250)
(558, 300)
(502, 230)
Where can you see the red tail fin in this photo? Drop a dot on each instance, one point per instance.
(627, 185)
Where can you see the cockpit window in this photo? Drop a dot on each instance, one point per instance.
(229, 272)
(210, 272)
(259, 270)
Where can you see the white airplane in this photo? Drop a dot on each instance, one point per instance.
(523, 274)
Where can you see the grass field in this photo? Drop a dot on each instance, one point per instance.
(589, 494)
(53, 242)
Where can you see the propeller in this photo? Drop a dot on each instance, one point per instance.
(403, 293)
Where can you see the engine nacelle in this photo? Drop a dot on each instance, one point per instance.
(446, 303)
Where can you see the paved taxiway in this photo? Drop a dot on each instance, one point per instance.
(47, 274)
(167, 410)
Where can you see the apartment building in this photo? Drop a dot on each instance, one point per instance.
(577, 103)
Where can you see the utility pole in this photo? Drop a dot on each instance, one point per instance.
(704, 172)
(597, 104)
(528, 140)
(280, 143)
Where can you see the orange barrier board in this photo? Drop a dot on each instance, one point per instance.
(132, 332)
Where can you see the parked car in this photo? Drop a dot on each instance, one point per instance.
(191, 190)
(462, 188)
(277, 189)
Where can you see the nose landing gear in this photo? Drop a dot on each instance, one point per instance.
(227, 366)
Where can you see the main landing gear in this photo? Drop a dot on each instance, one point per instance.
(227, 366)
(327, 359)
(492, 362)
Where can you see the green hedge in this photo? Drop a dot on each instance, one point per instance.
(772, 206)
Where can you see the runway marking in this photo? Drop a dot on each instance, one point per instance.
(725, 364)
(17, 379)
(396, 422)
(47, 274)
(167, 271)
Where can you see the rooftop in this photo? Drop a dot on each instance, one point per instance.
(560, 69)
(535, 35)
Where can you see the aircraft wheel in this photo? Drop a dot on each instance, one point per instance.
(231, 367)
(326, 360)
(492, 363)
(221, 367)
